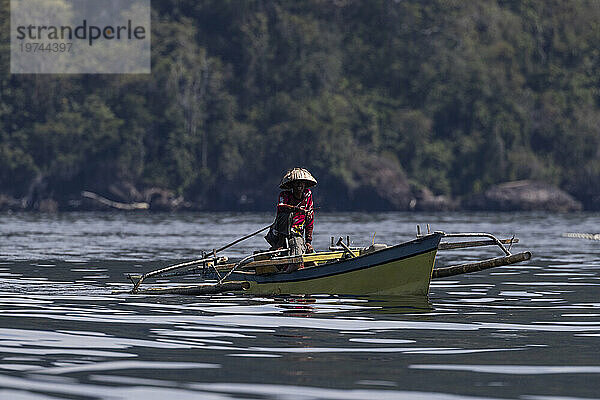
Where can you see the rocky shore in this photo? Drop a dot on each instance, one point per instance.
(384, 190)
(523, 196)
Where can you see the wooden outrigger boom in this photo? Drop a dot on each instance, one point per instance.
(196, 290)
(480, 265)
(466, 268)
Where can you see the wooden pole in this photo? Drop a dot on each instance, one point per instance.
(340, 242)
(213, 257)
(479, 266)
(196, 289)
(476, 243)
(244, 238)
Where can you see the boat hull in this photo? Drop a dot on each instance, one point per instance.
(404, 269)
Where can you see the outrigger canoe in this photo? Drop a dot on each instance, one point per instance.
(402, 269)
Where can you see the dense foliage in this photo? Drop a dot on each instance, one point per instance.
(453, 96)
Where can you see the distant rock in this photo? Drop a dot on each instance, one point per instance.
(584, 185)
(125, 192)
(46, 206)
(522, 196)
(374, 183)
(378, 184)
(164, 200)
(425, 200)
(8, 203)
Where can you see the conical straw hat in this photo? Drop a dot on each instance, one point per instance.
(297, 174)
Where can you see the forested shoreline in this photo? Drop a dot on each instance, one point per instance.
(392, 105)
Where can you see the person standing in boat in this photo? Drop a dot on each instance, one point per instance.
(295, 213)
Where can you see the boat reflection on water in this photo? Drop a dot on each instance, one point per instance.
(306, 306)
(297, 305)
(398, 304)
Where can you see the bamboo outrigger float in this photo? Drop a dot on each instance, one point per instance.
(402, 269)
(579, 235)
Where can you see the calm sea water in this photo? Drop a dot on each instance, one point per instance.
(529, 331)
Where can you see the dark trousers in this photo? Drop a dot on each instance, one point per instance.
(281, 230)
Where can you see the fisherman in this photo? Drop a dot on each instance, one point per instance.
(295, 213)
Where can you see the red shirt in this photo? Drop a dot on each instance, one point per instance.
(300, 221)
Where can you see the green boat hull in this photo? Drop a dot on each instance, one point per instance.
(404, 269)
